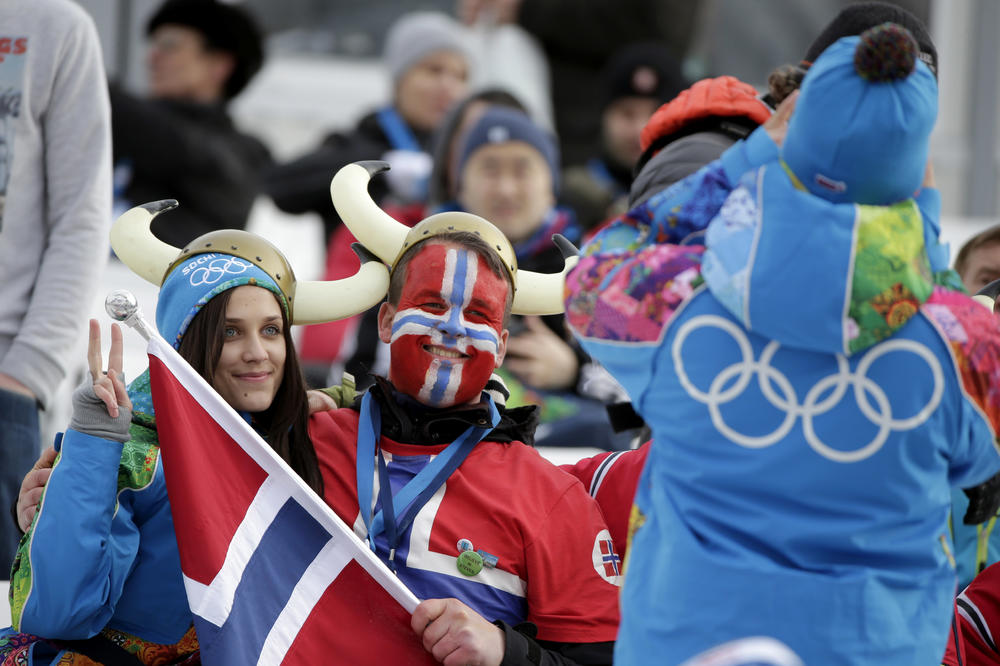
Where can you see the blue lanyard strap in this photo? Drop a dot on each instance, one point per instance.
(399, 134)
(599, 171)
(411, 497)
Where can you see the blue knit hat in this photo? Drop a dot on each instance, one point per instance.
(862, 124)
(503, 125)
(198, 280)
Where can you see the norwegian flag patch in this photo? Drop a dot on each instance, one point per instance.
(607, 562)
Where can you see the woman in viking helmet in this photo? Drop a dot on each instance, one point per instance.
(98, 570)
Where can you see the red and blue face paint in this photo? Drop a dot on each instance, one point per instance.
(447, 327)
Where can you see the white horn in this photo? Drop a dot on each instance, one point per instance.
(985, 301)
(988, 295)
(137, 247)
(542, 293)
(322, 301)
(372, 226)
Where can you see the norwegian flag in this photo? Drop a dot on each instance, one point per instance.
(272, 575)
(610, 558)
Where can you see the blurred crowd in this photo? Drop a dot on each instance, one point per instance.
(628, 125)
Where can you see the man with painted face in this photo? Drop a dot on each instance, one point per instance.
(507, 577)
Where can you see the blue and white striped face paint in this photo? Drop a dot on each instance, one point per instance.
(446, 331)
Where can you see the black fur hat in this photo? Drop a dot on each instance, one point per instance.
(856, 18)
(642, 70)
(226, 28)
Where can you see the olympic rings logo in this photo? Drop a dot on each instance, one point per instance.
(786, 400)
(216, 269)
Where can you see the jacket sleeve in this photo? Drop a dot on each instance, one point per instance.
(77, 183)
(73, 562)
(303, 185)
(682, 211)
(637, 272)
(522, 649)
(973, 334)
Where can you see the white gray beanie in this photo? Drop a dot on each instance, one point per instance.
(417, 34)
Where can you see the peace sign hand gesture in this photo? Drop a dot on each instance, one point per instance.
(108, 386)
(102, 407)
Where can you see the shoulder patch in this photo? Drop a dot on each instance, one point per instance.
(607, 563)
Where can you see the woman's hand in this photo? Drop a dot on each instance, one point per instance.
(32, 487)
(102, 408)
(108, 385)
(320, 402)
(777, 125)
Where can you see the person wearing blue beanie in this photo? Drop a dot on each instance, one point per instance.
(508, 172)
(502, 126)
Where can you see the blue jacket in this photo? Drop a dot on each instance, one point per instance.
(101, 553)
(815, 390)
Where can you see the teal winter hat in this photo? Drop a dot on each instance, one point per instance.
(199, 279)
(862, 124)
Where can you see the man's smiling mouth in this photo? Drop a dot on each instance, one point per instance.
(444, 352)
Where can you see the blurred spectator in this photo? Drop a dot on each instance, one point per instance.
(181, 142)
(978, 262)
(427, 56)
(55, 218)
(508, 173)
(579, 36)
(637, 80)
(352, 344)
(446, 144)
(426, 53)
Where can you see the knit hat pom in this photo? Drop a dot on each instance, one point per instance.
(885, 53)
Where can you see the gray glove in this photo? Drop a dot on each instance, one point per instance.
(90, 415)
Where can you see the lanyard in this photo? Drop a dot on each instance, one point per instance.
(399, 135)
(599, 171)
(418, 490)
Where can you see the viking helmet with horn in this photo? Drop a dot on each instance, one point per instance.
(307, 302)
(534, 293)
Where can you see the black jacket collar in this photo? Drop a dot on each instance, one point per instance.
(406, 421)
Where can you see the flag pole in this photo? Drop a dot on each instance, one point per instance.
(122, 305)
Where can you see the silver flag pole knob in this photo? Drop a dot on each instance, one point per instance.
(122, 305)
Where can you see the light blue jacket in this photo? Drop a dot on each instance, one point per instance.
(815, 391)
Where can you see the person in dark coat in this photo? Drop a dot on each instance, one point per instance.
(579, 37)
(427, 57)
(180, 142)
(637, 80)
(507, 172)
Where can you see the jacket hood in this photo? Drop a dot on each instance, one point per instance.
(814, 274)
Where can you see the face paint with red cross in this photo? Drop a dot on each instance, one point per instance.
(448, 326)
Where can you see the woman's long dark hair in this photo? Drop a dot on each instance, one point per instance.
(284, 425)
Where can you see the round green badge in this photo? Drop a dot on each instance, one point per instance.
(469, 563)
